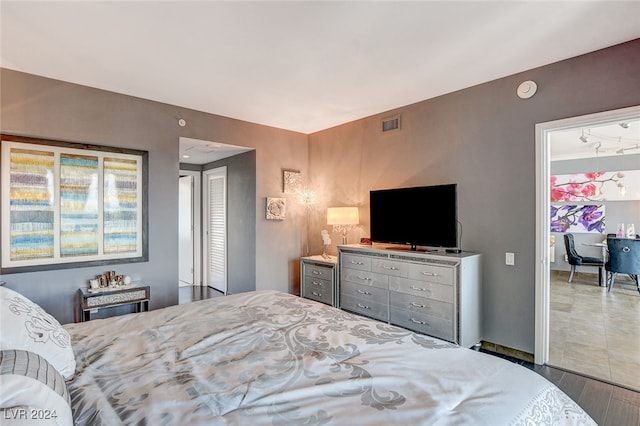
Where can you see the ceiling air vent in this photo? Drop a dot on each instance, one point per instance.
(390, 124)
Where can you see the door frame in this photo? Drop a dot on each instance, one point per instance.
(220, 171)
(196, 220)
(542, 268)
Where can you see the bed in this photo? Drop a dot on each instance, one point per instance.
(268, 357)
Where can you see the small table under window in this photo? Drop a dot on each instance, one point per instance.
(92, 301)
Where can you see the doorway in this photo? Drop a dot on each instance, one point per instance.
(189, 253)
(544, 132)
(185, 231)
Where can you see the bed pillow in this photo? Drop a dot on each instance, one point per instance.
(25, 325)
(32, 389)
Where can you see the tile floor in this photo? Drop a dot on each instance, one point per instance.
(593, 332)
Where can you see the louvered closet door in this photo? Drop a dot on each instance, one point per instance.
(216, 229)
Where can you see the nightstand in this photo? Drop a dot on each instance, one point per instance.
(92, 301)
(318, 279)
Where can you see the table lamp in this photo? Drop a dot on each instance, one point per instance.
(343, 219)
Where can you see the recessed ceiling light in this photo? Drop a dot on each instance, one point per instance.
(185, 156)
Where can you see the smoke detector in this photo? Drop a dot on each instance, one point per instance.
(527, 89)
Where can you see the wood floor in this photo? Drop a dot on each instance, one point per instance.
(188, 294)
(607, 404)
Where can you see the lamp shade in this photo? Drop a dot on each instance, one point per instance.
(342, 216)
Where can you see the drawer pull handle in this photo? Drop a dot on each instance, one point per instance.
(415, 321)
(389, 268)
(363, 292)
(316, 272)
(418, 305)
(363, 278)
(360, 305)
(315, 293)
(353, 262)
(430, 274)
(413, 287)
(316, 283)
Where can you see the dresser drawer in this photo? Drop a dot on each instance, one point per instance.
(354, 261)
(364, 278)
(318, 271)
(442, 292)
(421, 305)
(431, 273)
(364, 292)
(374, 310)
(317, 284)
(426, 324)
(390, 267)
(322, 294)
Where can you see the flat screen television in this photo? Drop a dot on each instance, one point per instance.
(418, 216)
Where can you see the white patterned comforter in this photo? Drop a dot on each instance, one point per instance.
(272, 358)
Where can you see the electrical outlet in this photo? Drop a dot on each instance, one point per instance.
(510, 259)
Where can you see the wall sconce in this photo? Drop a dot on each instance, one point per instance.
(343, 219)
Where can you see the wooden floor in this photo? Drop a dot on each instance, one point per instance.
(188, 294)
(607, 404)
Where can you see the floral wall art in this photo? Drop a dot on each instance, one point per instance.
(596, 186)
(578, 219)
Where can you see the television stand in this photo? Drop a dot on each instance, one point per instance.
(436, 294)
(412, 248)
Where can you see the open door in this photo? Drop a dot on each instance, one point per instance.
(185, 231)
(215, 232)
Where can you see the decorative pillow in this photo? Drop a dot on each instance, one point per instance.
(31, 389)
(25, 325)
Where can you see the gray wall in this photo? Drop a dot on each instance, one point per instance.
(40, 107)
(483, 139)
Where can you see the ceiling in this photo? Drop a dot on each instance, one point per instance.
(303, 66)
(603, 140)
(196, 151)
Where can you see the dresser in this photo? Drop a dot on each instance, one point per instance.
(434, 293)
(318, 277)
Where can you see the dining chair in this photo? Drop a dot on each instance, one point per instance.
(624, 258)
(576, 259)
